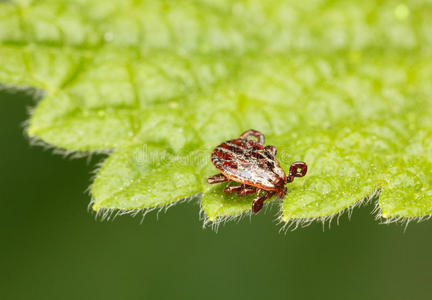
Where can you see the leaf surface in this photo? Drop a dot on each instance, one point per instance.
(344, 86)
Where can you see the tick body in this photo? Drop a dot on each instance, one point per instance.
(254, 166)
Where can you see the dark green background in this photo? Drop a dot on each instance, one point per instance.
(53, 248)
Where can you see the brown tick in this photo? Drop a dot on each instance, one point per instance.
(254, 166)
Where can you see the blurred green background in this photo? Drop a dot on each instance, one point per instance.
(53, 248)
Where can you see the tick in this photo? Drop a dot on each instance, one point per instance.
(254, 166)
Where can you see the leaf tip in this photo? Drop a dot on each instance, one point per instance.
(285, 219)
(32, 131)
(211, 219)
(95, 207)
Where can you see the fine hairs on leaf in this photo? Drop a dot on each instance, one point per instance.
(156, 85)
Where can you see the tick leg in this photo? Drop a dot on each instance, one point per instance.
(233, 188)
(247, 190)
(259, 201)
(281, 193)
(272, 149)
(242, 190)
(254, 133)
(297, 169)
(217, 178)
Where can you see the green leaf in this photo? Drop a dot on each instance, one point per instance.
(342, 86)
(137, 177)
